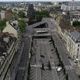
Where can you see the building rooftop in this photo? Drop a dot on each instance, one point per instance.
(10, 29)
(6, 41)
(75, 3)
(75, 36)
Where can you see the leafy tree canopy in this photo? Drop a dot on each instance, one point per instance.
(41, 14)
(22, 25)
(76, 23)
(21, 14)
(2, 24)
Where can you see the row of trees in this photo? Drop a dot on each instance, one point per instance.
(20, 17)
(2, 24)
(41, 14)
(21, 14)
(22, 25)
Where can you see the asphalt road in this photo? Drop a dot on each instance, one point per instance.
(62, 51)
(44, 58)
(64, 57)
(24, 60)
(41, 49)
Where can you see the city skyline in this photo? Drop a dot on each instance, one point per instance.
(35, 0)
(39, 39)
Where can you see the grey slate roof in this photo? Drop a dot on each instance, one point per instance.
(75, 36)
(75, 3)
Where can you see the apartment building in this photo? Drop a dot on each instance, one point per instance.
(70, 6)
(73, 45)
(10, 29)
(8, 47)
(2, 14)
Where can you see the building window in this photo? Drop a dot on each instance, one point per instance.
(78, 45)
(78, 49)
(77, 53)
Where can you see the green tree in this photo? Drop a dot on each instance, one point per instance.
(21, 14)
(22, 25)
(41, 14)
(76, 23)
(2, 24)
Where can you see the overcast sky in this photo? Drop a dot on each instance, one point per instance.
(36, 0)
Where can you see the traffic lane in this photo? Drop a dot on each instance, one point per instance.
(20, 75)
(42, 46)
(61, 49)
(25, 53)
(24, 60)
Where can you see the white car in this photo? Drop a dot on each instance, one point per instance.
(59, 68)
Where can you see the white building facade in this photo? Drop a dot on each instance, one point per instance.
(70, 6)
(73, 45)
(2, 15)
(10, 30)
